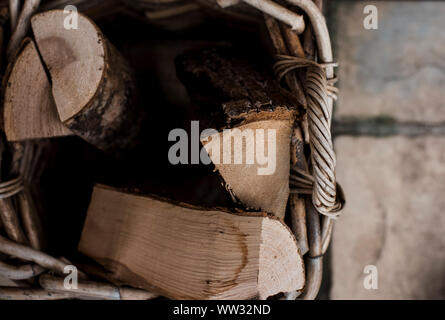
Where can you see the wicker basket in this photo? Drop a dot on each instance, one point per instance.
(304, 65)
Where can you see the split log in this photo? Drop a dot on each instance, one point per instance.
(184, 252)
(232, 93)
(29, 108)
(93, 86)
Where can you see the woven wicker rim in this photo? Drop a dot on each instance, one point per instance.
(327, 196)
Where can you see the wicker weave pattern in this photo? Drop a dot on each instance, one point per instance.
(327, 198)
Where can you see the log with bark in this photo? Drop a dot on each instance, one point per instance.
(185, 252)
(92, 84)
(233, 93)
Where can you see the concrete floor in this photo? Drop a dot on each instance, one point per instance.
(394, 183)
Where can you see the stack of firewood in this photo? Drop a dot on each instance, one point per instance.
(205, 231)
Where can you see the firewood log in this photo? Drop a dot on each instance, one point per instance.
(29, 108)
(93, 86)
(185, 252)
(232, 93)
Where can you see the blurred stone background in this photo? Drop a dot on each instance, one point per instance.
(390, 141)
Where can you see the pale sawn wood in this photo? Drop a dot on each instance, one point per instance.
(184, 252)
(29, 108)
(93, 85)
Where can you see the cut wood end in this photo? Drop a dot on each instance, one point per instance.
(261, 186)
(74, 57)
(29, 108)
(281, 264)
(93, 85)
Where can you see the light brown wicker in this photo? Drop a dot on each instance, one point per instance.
(312, 217)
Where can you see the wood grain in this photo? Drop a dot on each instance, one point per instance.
(93, 85)
(231, 92)
(185, 252)
(29, 108)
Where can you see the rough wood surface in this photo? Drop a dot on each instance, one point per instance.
(231, 87)
(232, 92)
(185, 252)
(93, 85)
(29, 108)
